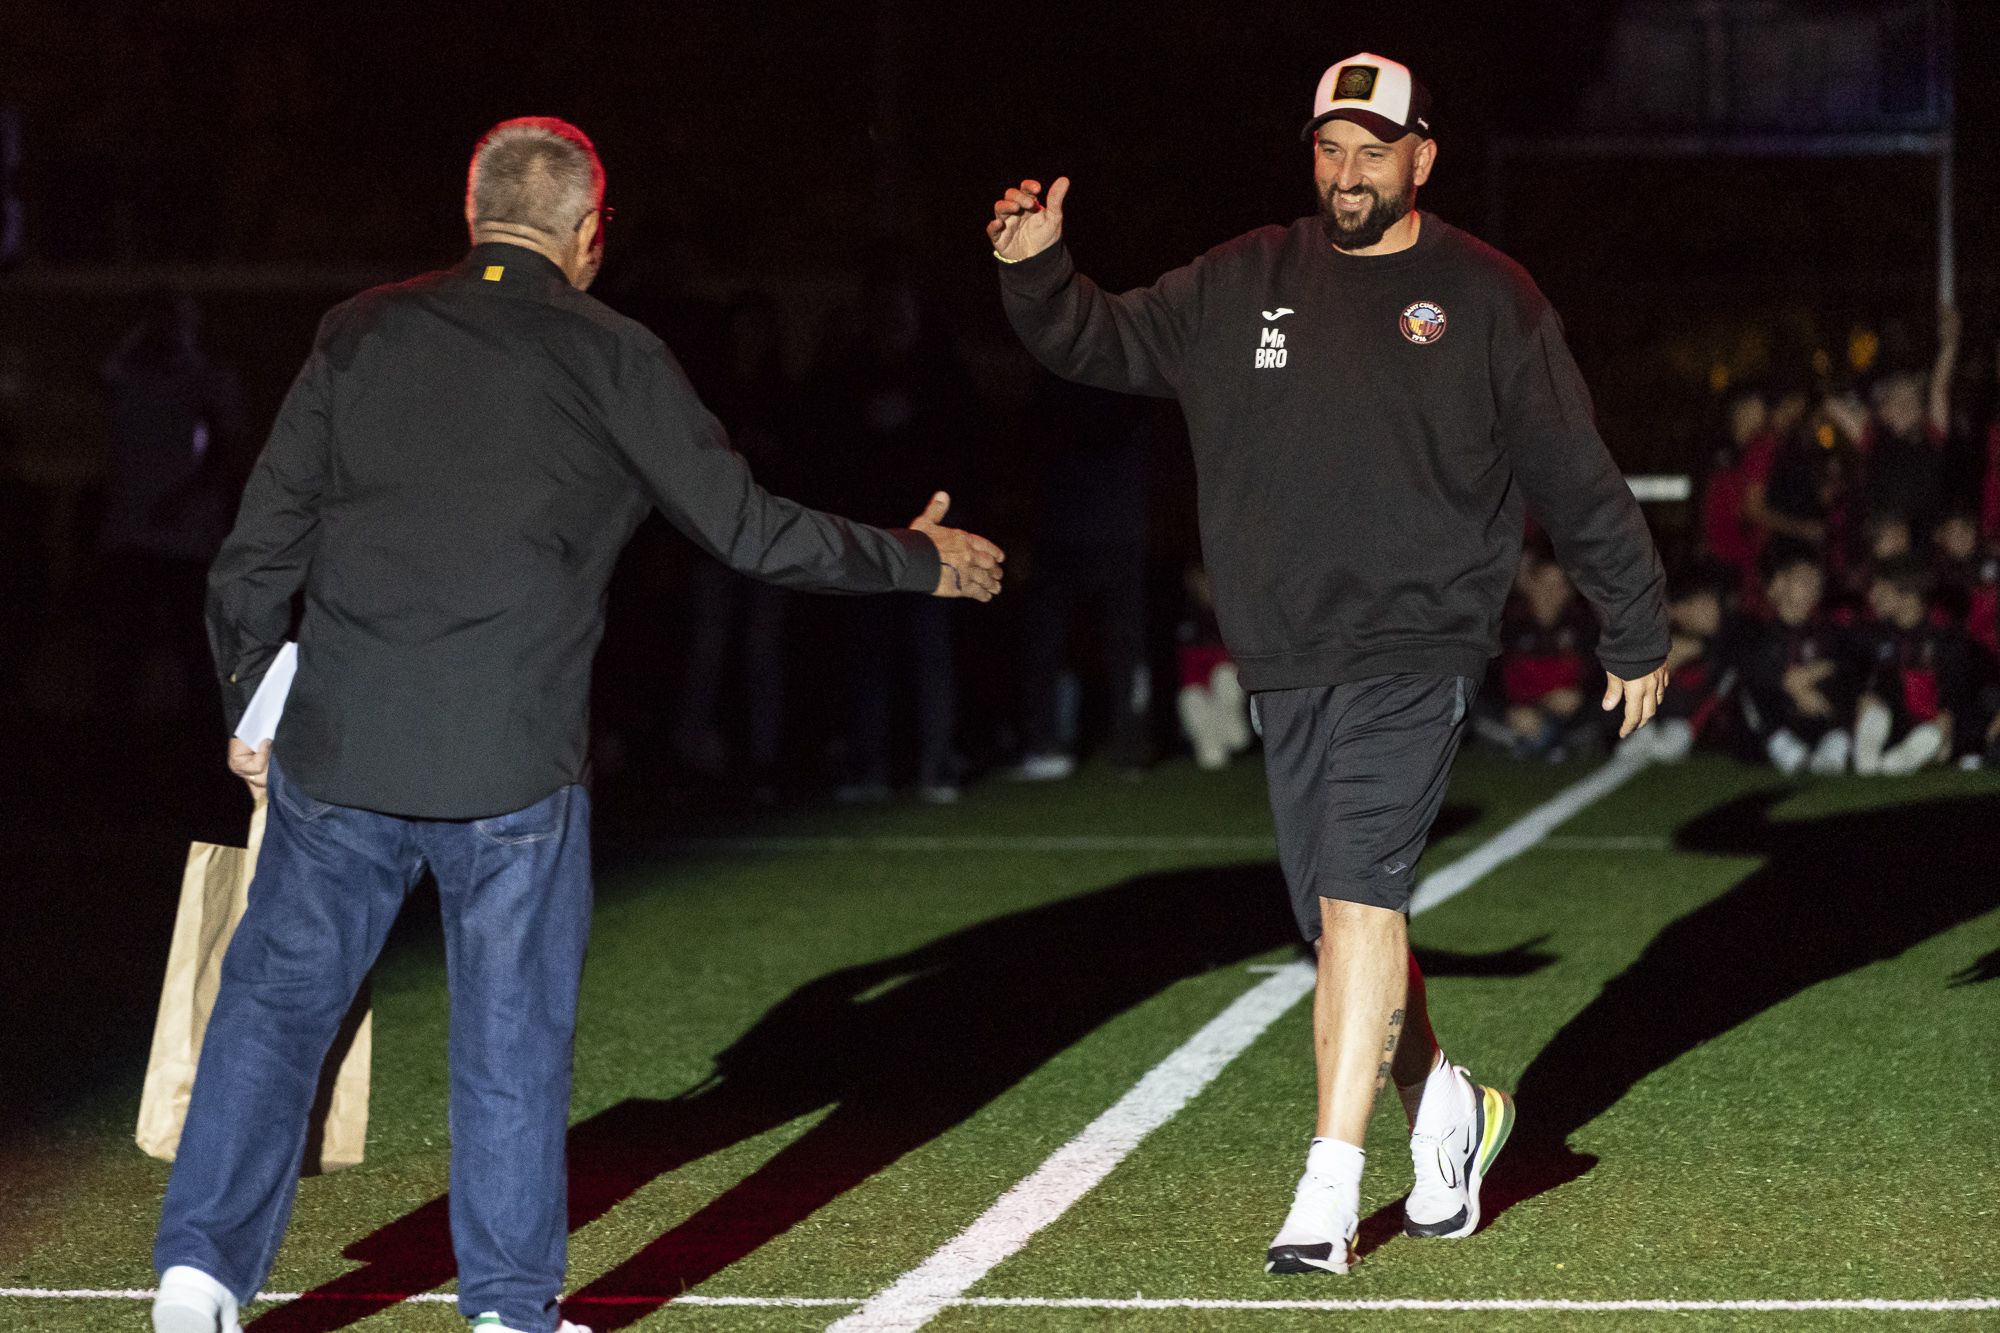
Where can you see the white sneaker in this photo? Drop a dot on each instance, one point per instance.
(1451, 1161)
(1232, 705)
(1871, 737)
(1912, 752)
(190, 1301)
(1787, 751)
(1206, 727)
(1318, 1235)
(1676, 738)
(1665, 742)
(490, 1323)
(1829, 757)
(1052, 767)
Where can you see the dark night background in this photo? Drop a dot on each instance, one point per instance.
(273, 159)
(766, 144)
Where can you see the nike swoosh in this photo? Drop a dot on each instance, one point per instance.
(1279, 313)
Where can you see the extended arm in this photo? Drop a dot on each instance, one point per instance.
(681, 454)
(1129, 343)
(1574, 488)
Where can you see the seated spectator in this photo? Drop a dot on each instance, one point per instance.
(1546, 635)
(1799, 681)
(1967, 591)
(1698, 675)
(1919, 676)
(1885, 537)
(1213, 706)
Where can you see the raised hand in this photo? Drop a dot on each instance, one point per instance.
(1023, 224)
(970, 565)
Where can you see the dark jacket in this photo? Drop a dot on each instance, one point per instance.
(449, 482)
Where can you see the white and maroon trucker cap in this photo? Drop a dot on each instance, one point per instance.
(1375, 93)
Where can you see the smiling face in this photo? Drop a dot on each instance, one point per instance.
(1366, 186)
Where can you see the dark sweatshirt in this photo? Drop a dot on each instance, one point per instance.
(1367, 432)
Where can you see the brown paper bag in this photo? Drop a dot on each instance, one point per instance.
(215, 889)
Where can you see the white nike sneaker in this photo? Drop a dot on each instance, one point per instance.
(1829, 757)
(1787, 751)
(1451, 1162)
(1318, 1235)
(1871, 737)
(190, 1301)
(1676, 738)
(1912, 752)
(490, 1323)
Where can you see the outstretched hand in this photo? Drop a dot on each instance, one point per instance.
(1641, 696)
(1023, 225)
(969, 564)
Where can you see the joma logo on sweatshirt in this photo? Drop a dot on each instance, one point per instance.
(1271, 350)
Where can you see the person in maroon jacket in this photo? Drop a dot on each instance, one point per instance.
(1374, 399)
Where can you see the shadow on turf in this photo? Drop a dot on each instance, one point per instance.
(1833, 894)
(902, 1049)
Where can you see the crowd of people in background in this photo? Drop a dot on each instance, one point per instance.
(1838, 610)
(1837, 607)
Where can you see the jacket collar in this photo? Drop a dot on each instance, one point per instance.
(511, 266)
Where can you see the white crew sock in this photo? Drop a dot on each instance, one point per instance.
(1412, 1094)
(1337, 1164)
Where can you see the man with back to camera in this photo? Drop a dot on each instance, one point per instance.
(1372, 396)
(449, 481)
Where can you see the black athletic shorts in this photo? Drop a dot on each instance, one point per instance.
(1357, 773)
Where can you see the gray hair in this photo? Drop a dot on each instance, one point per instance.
(535, 172)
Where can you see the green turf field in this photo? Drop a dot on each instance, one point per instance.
(1753, 1027)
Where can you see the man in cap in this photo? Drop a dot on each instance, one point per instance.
(1374, 399)
(448, 484)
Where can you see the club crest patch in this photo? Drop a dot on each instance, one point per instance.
(1355, 83)
(1423, 323)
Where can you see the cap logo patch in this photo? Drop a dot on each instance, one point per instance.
(1355, 83)
(1423, 323)
(493, 272)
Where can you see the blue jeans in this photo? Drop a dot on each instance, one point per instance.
(515, 892)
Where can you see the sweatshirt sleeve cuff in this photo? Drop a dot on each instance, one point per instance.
(1633, 668)
(921, 573)
(1037, 275)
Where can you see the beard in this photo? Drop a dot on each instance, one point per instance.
(1359, 231)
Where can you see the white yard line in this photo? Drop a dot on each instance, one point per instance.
(941, 1280)
(1260, 844)
(913, 1299)
(1523, 833)
(1154, 1303)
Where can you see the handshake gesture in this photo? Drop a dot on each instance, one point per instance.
(969, 564)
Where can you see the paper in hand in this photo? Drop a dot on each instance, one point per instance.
(267, 705)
